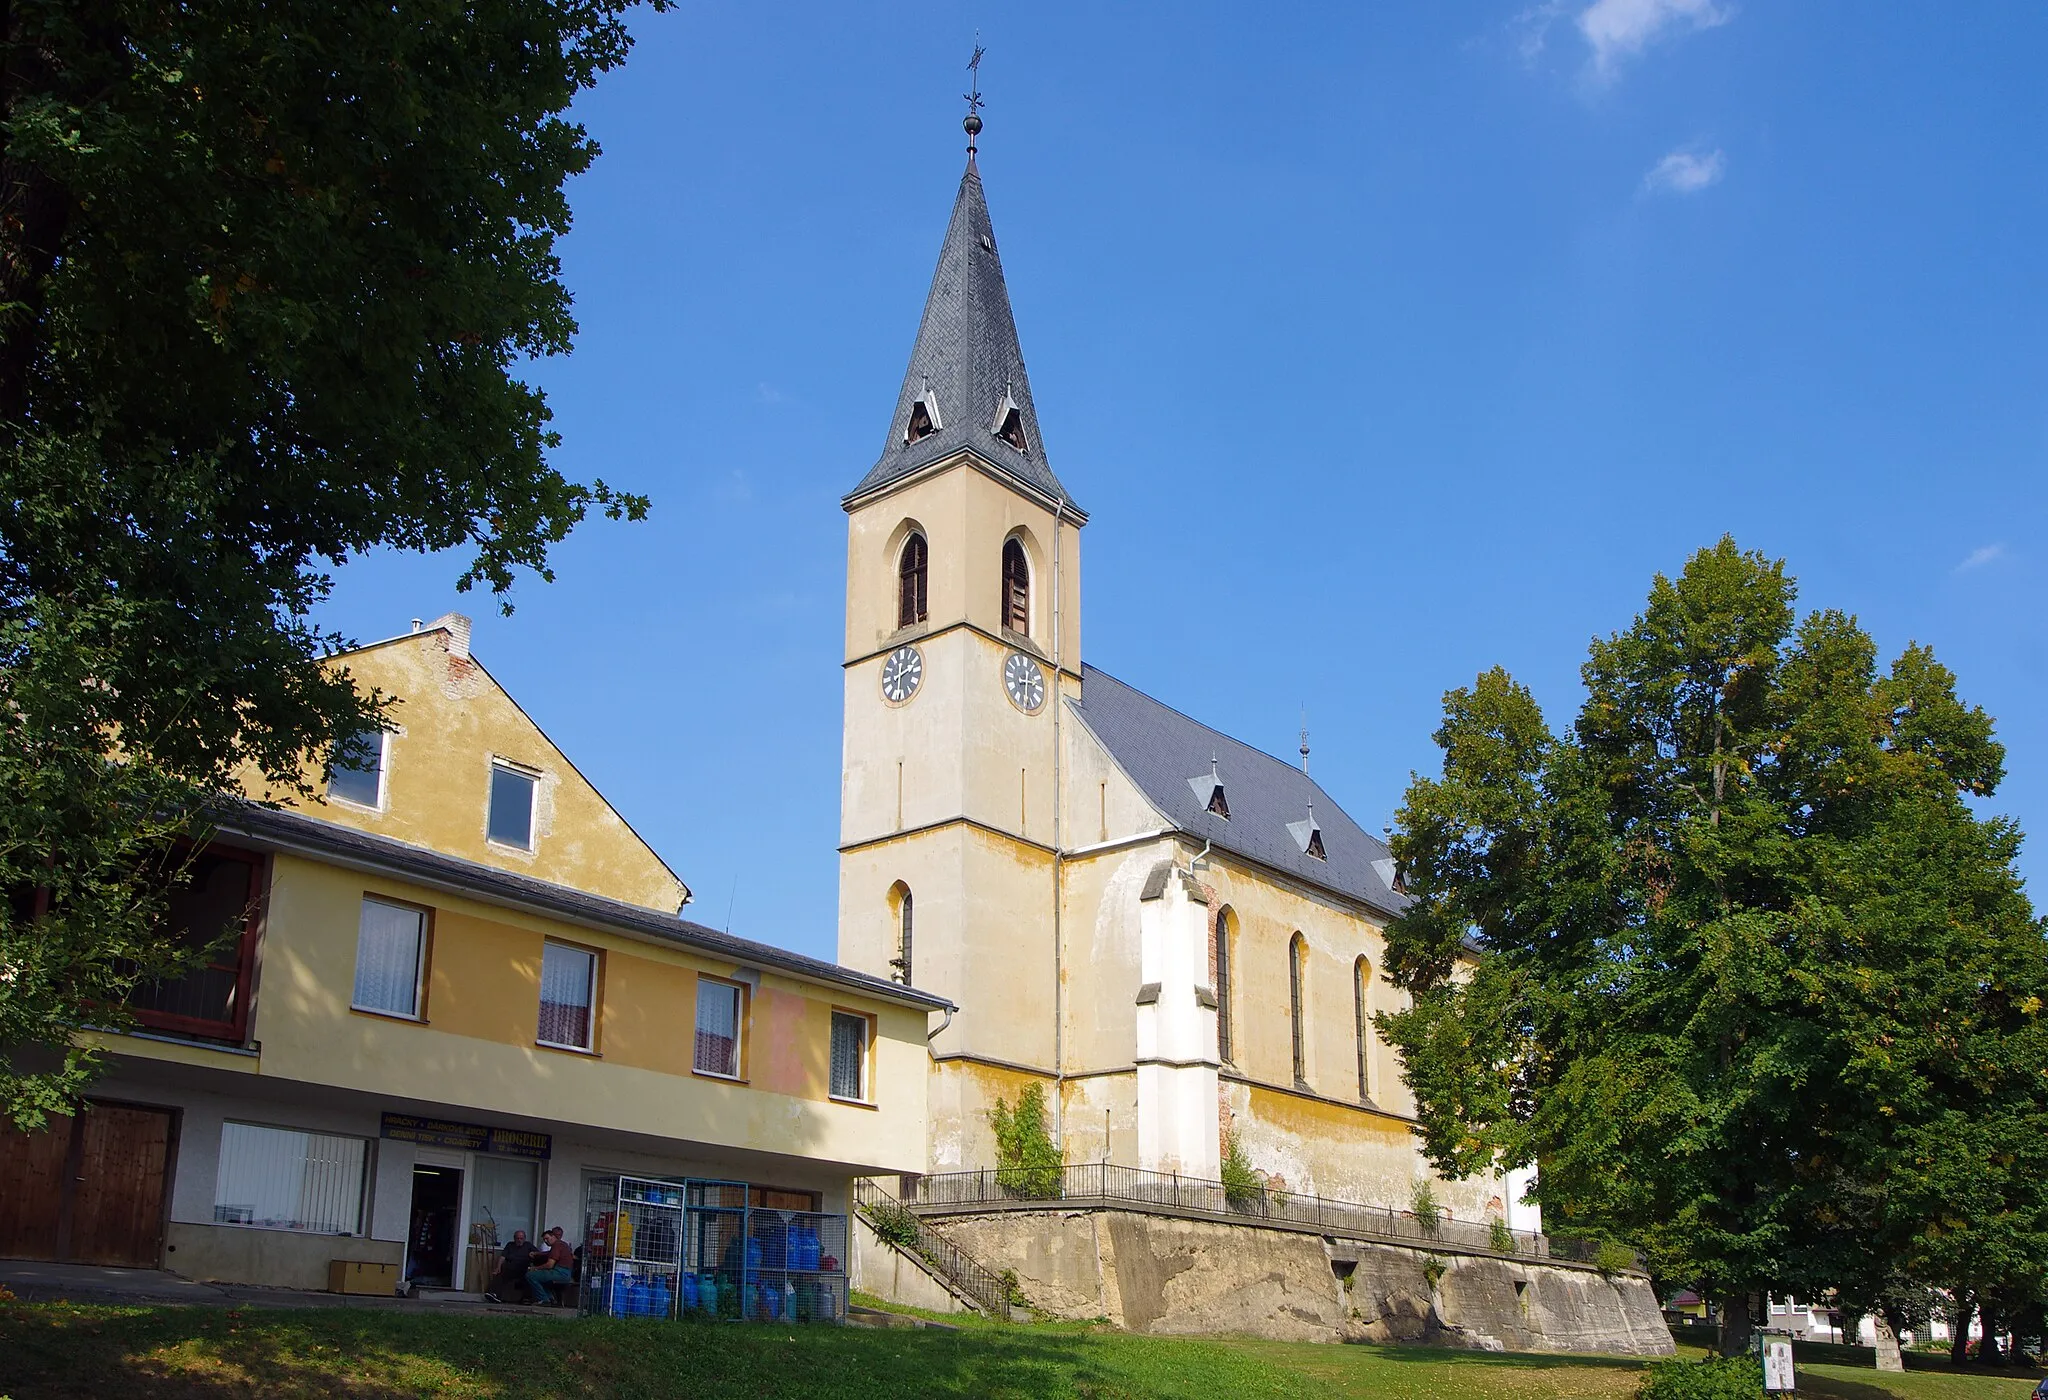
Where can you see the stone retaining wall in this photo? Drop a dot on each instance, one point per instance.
(1168, 1276)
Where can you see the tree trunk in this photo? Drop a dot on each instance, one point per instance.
(1989, 1353)
(1887, 1330)
(1959, 1344)
(1735, 1324)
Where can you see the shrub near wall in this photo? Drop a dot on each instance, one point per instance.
(1716, 1378)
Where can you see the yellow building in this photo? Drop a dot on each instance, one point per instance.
(460, 1001)
(1178, 935)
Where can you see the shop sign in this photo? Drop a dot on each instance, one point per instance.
(466, 1137)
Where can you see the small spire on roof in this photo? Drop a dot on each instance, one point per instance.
(1304, 740)
(972, 125)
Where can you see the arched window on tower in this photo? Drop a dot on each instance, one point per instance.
(912, 572)
(1361, 978)
(899, 899)
(1297, 958)
(1016, 588)
(1219, 953)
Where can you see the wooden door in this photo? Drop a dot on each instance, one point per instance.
(117, 1209)
(89, 1189)
(32, 1165)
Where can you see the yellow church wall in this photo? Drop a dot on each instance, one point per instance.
(452, 719)
(966, 512)
(476, 1044)
(962, 1093)
(1103, 805)
(1102, 952)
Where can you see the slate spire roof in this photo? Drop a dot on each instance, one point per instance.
(966, 388)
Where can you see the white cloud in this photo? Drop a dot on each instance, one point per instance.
(1616, 30)
(1686, 172)
(1980, 557)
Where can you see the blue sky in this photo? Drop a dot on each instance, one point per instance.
(1383, 343)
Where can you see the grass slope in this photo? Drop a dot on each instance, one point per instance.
(64, 1351)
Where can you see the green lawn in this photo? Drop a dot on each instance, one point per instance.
(60, 1350)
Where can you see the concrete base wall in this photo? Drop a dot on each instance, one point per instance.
(1169, 1276)
(270, 1258)
(893, 1276)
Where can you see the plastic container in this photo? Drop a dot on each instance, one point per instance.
(658, 1297)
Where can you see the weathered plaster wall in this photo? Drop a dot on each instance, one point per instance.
(1161, 1275)
(452, 720)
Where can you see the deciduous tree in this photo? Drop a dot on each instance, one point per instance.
(268, 274)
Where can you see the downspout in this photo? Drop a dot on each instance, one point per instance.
(1059, 802)
(950, 1009)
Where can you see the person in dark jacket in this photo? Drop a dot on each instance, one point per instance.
(510, 1284)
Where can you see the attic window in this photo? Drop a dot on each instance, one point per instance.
(1208, 790)
(1011, 429)
(920, 422)
(1308, 835)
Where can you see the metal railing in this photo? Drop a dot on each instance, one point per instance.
(1102, 1184)
(901, 1228)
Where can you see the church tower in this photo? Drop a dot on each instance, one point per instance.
(962, 636)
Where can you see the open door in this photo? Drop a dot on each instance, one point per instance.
(433, 1245)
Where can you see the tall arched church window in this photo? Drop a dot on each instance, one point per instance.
(1016, 588)
(900, 964)
(912, 573)
(1361, 977)
(1220, 954)
(1297, 957)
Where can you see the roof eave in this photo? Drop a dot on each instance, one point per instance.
(1062, 504)
(308, 836)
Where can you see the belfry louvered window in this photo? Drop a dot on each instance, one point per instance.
(912, 573)
(1016, 588)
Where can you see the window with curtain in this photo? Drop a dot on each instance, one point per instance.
(1221, 933)
(1361, 977)
(718, 1028)
(391, 944)
(568, 981)
(511, 819)
(285, 1179)
(357, 772)
(849, 1055)
(913, 572)
(1297, 950)
(1016, 588)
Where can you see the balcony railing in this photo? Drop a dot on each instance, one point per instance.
(1101, 1184)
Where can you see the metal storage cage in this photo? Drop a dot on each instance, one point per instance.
(696, 1248)
(643, 1241)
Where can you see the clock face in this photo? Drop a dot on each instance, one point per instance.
(1025, 682)
(901, 673)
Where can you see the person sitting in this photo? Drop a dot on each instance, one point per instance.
(510, 1285)
(551, 1267)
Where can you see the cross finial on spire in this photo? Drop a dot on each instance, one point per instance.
(973, 95)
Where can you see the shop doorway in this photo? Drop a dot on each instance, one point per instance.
(431, 1249)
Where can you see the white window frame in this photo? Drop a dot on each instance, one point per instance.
(592, 957)
(739, 1033)
(383, 778)
(867, 1056)
(419, 968)
(517, 770)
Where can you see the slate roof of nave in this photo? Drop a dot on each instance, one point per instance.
(967, 359)
(1161, 749)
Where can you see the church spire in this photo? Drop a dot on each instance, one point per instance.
(966, 389)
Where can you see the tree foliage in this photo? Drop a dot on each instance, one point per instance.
(268, 272)
(1028, 1161)
(1734, 959)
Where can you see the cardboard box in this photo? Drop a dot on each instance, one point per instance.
(361, 1276)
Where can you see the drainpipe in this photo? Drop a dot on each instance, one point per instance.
(1059, 704)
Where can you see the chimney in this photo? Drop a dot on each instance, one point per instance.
(415, 625)
(457, 628)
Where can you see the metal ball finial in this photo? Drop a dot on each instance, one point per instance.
(972, 125)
